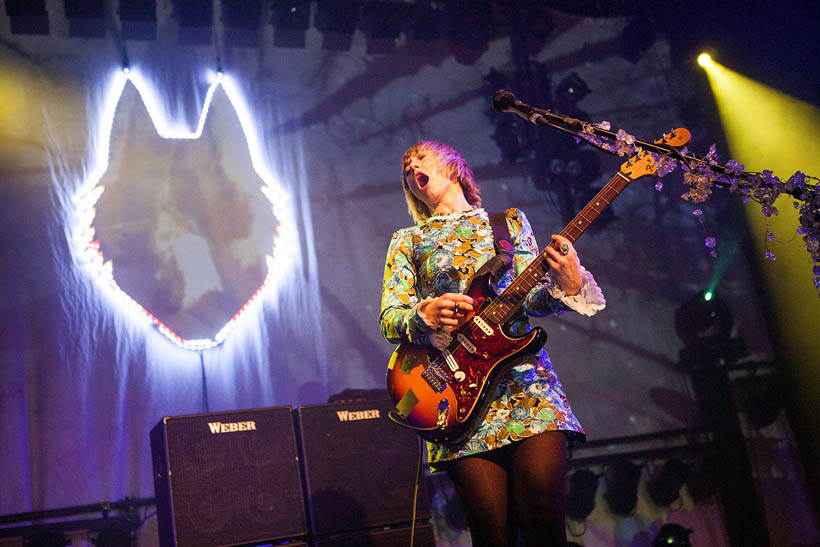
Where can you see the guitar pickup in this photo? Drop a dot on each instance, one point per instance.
(483, 325)
(465, 343)
(450, 360)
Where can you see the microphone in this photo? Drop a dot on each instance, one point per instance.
(504, 101)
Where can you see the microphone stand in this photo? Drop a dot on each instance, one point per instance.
(584, 130)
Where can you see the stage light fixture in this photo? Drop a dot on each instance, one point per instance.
(701, 317)
(139, 19)
(580, 499)
(27, 16)
(539, 27)
(84, 9)
(572, 89)
(290, 20)
(468, 26)
(195, 19)
(290, 14)
(636, 38)
(242, 14)
(336, 20)
(664, 488)
(383, 19)
(382, 23)
(705, 60)
(672, 535)
(242, 20)
(705, 326)
(424, 23)
(86, 18)
(622, 479)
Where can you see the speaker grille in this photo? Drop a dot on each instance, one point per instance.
(227, 478)
(360, 467)
(424, 537)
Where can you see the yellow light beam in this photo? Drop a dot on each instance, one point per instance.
(766, 129)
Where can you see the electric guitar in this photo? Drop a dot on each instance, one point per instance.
(444, 395)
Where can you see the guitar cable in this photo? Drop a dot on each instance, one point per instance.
(416, 494)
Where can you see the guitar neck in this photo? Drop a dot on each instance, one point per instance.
(512, 298)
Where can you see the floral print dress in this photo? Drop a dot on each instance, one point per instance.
(441, 255)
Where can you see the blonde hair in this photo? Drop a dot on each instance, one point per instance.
(450, 163)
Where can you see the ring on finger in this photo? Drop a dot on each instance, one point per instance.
(455, 308)
(564, 249)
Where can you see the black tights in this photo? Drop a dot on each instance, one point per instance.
(522, 482)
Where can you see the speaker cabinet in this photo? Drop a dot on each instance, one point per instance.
(360, 468)
(423, 537)
(227, 478)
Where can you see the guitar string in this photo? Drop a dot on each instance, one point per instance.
(496, 305)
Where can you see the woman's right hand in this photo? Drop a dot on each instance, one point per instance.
(448, 310)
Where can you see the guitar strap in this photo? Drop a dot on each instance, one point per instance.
(502, 241)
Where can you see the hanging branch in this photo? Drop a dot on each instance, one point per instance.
(700, 174)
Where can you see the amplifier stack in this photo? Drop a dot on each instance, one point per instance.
(338, 474)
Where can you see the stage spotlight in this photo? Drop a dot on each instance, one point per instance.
(336, 20)
(290, 14)
(139, 19)
(85, 18)
(672, 535)
(705, 60)
(580, 500)
(27, 16)
(290, 20)
(705, 326)
(665, 487)
(622, 479)
(701, 317)
(572, 89)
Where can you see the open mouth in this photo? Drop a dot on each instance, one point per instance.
(421, 180)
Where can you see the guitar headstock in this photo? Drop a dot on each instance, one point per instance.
(643, 163)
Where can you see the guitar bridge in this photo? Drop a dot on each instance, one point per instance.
(434, 378)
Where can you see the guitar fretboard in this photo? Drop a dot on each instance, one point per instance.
(512, 298)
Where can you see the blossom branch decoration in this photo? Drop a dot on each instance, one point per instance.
(703, 174)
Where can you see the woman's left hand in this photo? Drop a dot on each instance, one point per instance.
(565, 267)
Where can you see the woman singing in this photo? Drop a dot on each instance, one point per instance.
(512, 468)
